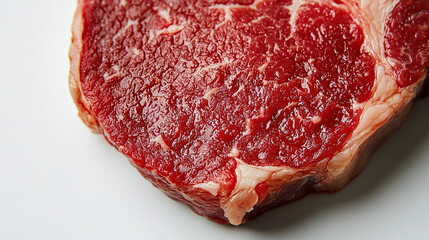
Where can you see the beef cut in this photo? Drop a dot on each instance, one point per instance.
(238, 106)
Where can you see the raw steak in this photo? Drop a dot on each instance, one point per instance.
(235, 107)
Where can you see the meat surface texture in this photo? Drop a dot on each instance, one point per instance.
(236, 107)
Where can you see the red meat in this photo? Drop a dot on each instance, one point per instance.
(236, 107)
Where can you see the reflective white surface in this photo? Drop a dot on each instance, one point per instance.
(59, 181)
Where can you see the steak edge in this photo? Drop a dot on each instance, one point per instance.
(258, 188)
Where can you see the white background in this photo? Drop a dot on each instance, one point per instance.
(59, 181)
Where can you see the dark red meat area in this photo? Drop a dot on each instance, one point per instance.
(180, 87)
(407, 40)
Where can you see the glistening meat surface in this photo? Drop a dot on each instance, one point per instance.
(234, 106)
